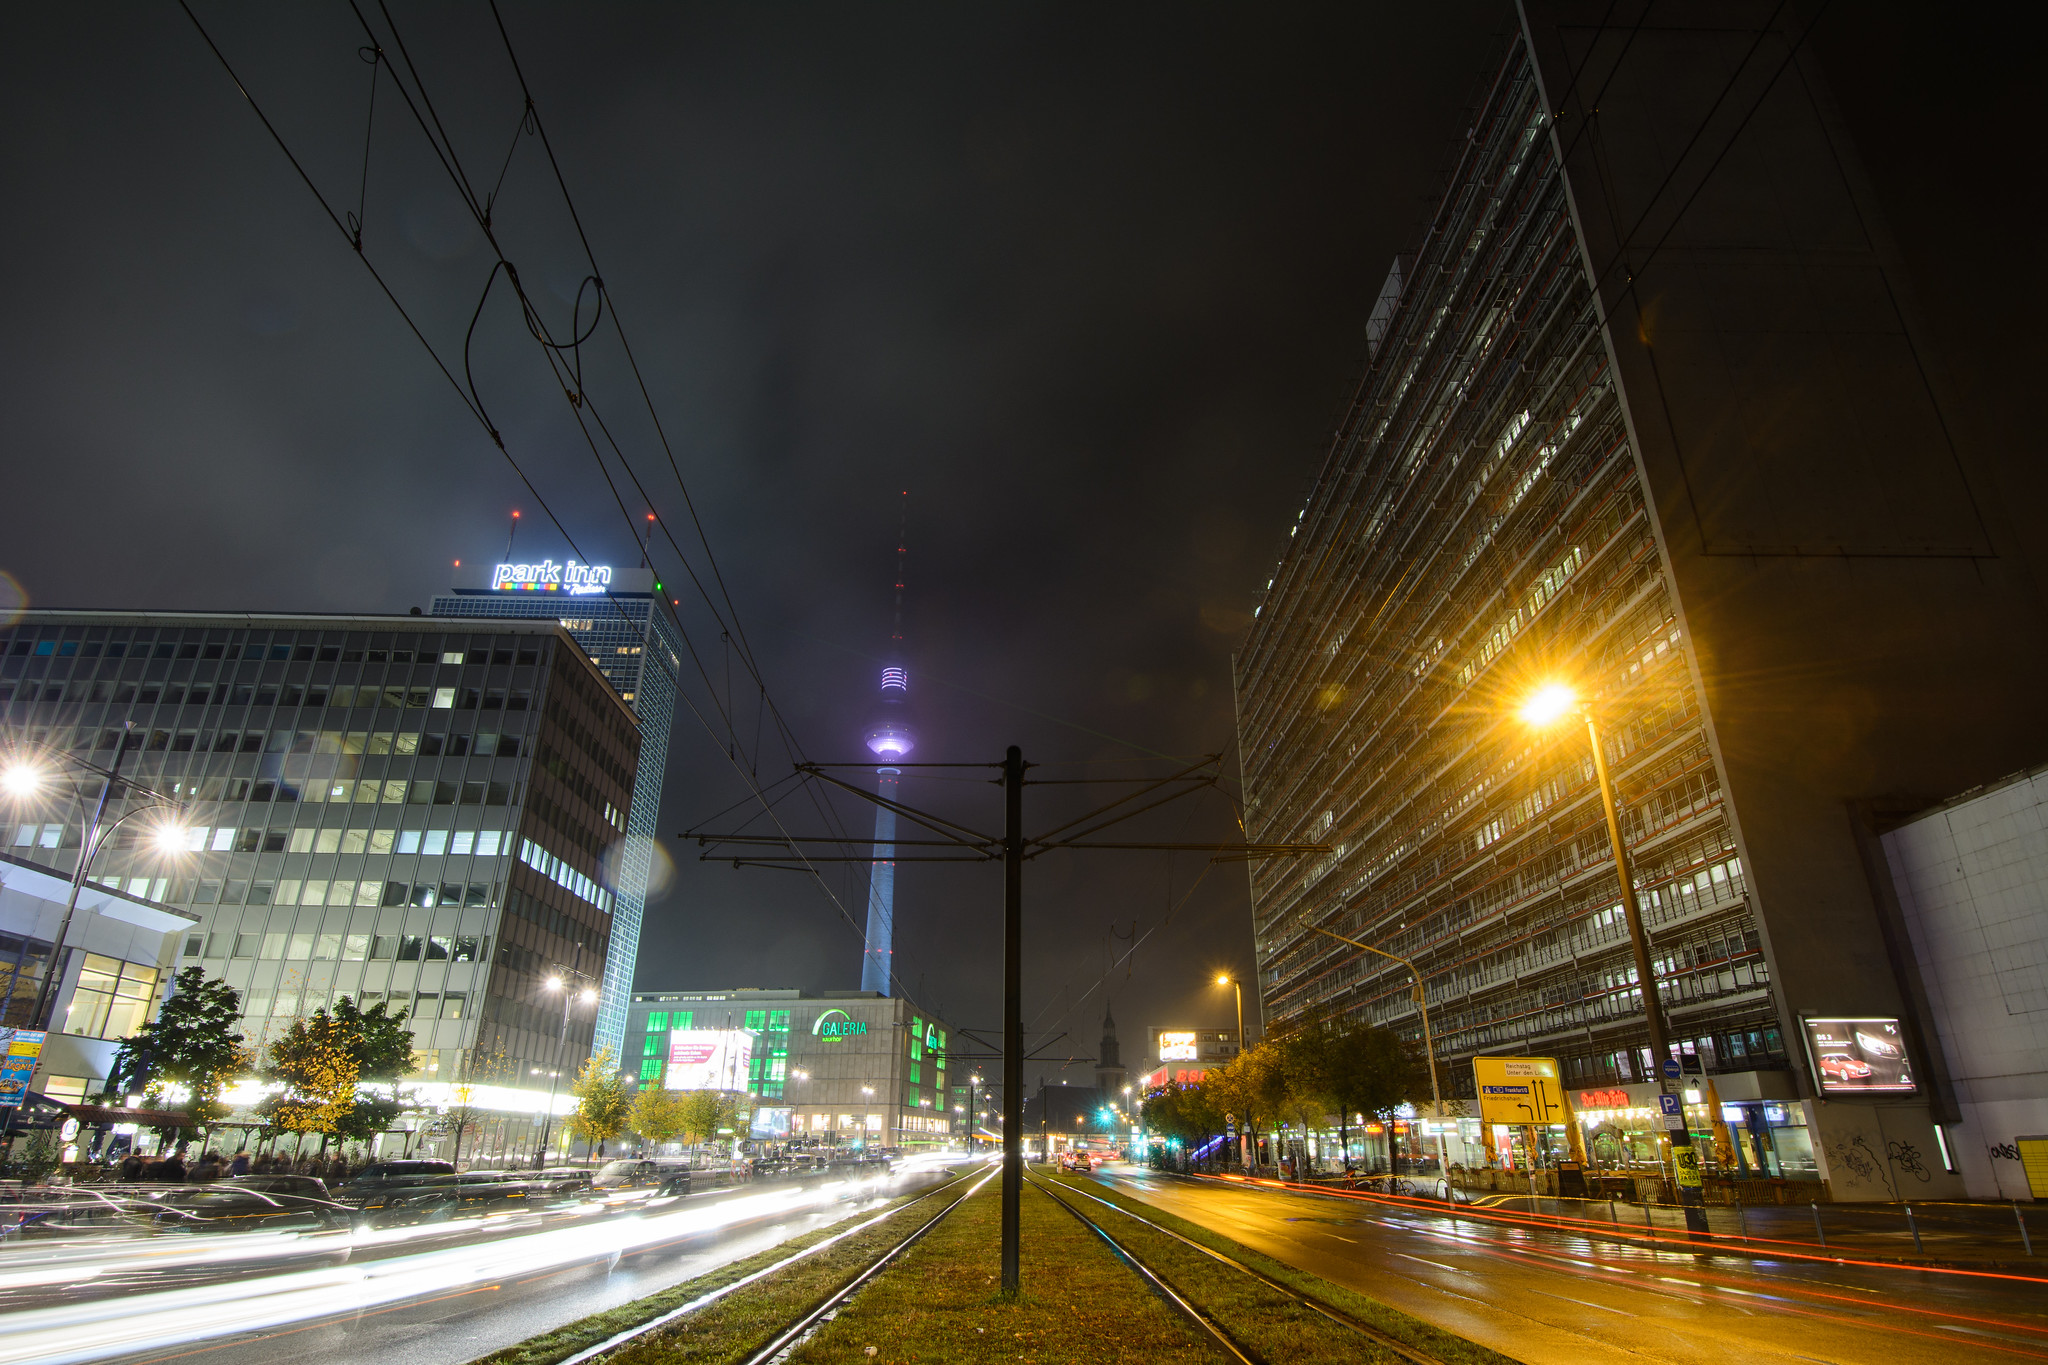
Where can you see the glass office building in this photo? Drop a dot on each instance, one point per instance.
(383, 807)
(613, 614)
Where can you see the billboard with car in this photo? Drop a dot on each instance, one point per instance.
(1858, 1056)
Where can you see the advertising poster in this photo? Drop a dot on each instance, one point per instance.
(708, 1059)
(770, 1122)
(1858, 1056)
(1177, 1047)
(19, 1049)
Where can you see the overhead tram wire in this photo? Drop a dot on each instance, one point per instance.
(475, 410)
(451, 164)
(355, 244)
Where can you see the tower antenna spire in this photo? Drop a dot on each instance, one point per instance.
(902, 556)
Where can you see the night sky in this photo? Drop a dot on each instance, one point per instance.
(1090, 282)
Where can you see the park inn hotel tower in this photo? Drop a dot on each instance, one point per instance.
(1648, 412)
(432, 812)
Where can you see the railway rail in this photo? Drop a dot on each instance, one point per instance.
(1208, 1326)
(800, 1329)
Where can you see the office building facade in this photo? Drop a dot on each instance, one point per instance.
(1648, 413)
(616, 616)
(399, 809)
(833, 1068)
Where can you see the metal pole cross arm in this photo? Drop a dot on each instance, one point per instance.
(1436, 1093)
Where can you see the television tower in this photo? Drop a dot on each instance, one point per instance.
(889, 739)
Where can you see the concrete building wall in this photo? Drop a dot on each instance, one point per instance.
(1972, 880)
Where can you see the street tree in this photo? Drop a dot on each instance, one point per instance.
(600, 1091)
(1186, 1114)
(192, 1043)
(656, 1115)
(319, 1071)
(1372, 1070)
(701, 1113)
(382, 1048)
(1252, 1088)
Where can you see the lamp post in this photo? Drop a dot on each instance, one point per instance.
(1235, 985)
(973, 1087)
(1436, 1093)
(1547, 705)
(1243, 1139)
(560, 981)
(22, 779)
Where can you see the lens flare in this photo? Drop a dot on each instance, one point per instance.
(1548, 704)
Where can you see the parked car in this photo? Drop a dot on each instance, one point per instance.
(664, 1175)
(377, 1172)
(560, 1180)
(461, 1192)
(267, 1203)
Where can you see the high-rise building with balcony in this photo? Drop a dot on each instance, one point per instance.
(1648, 412)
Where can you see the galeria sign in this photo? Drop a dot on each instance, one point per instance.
(843, 1026)
(578, 580)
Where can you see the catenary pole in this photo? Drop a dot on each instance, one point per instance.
(1013, 1008)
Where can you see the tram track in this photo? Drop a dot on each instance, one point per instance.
(1230, 1343)
(801, 1328)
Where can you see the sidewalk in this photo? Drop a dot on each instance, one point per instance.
(1976, 1236)
(1947, 1233)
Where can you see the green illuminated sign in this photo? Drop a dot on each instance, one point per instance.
(844, 1026)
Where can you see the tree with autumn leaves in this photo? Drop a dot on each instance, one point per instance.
(600, 1091)
(325, 1058)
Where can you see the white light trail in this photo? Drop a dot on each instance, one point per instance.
(188, 1313)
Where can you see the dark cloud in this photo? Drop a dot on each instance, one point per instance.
(1091, 282)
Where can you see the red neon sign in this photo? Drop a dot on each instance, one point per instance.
(1603, 1099)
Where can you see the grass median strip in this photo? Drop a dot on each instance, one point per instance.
(942, 1303)
(732, 1326)
(1251, 1312)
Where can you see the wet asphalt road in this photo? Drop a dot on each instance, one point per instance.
(456, 1316)
(1552, 1298)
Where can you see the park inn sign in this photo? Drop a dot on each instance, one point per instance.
(578, 580)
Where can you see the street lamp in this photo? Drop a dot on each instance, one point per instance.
(23, 779)
(1233, 983)
(558, 980)
(1436, 1093)
(1546, 706)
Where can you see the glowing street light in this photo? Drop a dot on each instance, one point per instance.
(1546, 706)
(22, 780)
(1225, 979)
(558, 980)
(1549, 704)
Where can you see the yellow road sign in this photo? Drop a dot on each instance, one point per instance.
(1520, 1090)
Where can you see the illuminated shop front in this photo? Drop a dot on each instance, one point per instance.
(1737, 1135)
(834, 1069)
